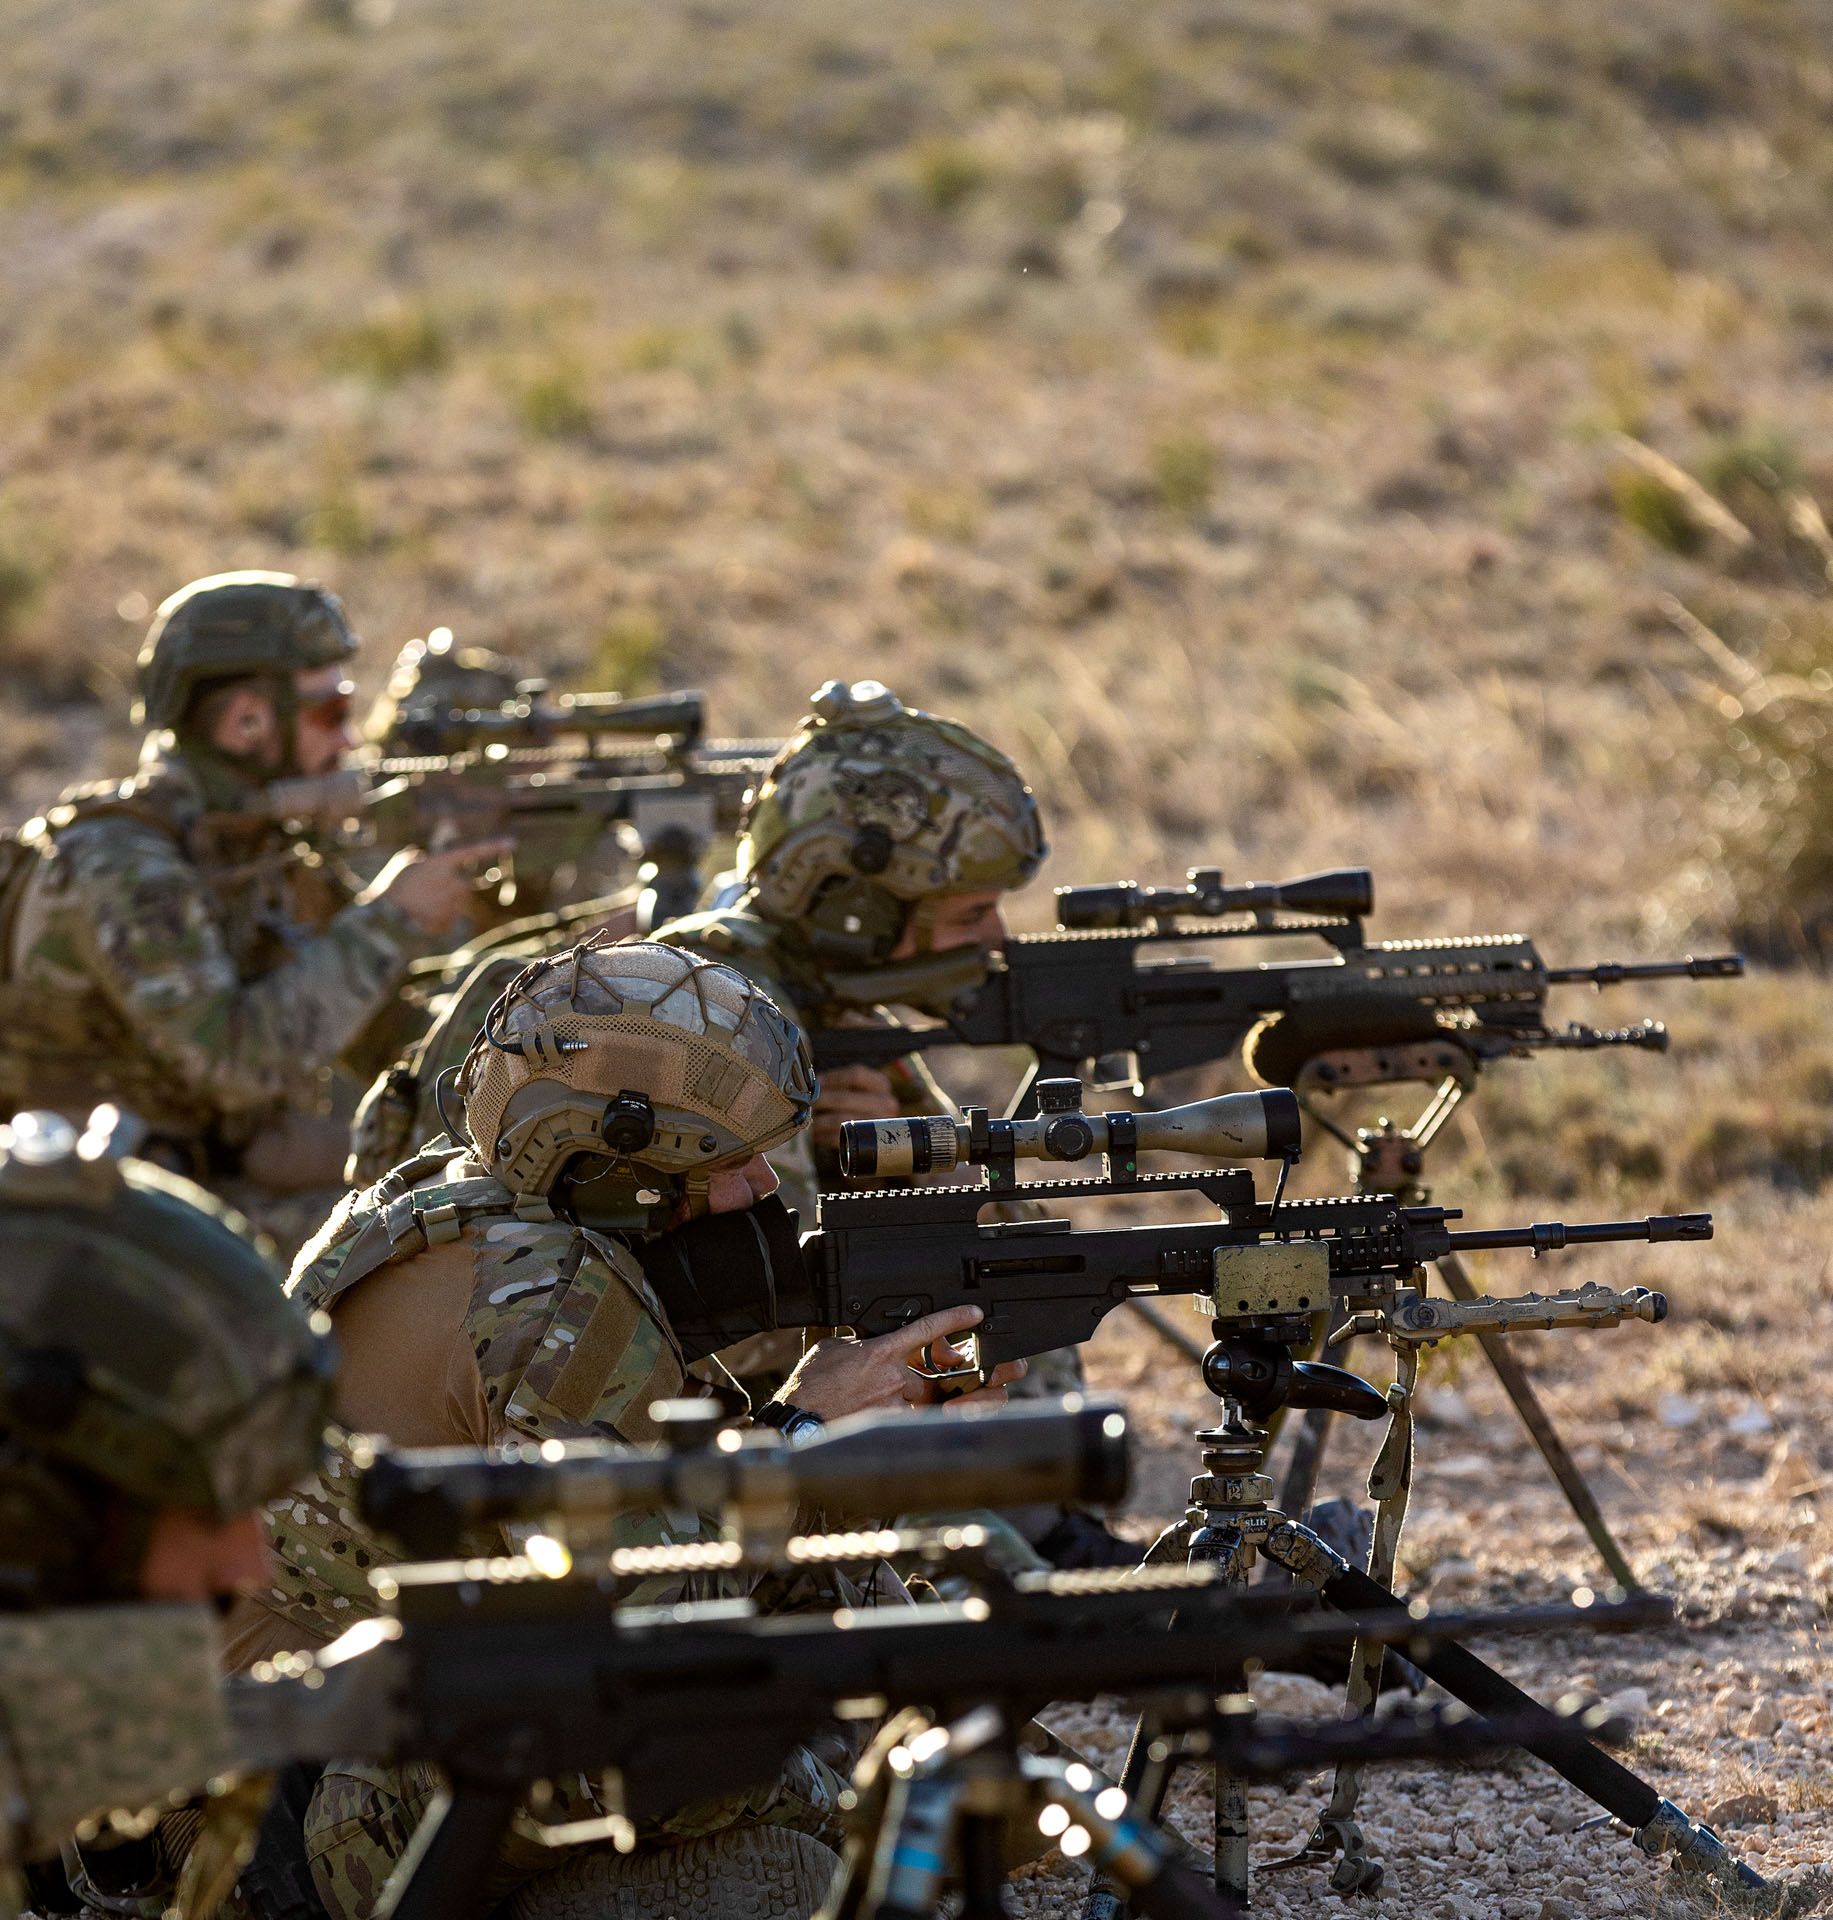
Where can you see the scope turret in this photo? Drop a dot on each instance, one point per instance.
(1345, 893)
(1232, 1126)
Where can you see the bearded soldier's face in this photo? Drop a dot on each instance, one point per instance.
(248, 726)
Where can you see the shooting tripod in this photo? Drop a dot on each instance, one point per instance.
(1230, 1521)
(1389, 1159)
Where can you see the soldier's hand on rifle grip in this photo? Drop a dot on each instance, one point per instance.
(434, 890)
(849, 1093)
(895, 1371)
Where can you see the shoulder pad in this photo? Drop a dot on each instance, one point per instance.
(395, 1220)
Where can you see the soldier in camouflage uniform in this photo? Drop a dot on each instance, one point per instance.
(168, 944)
(155, 1388)
(491, 1291)
(881, 842)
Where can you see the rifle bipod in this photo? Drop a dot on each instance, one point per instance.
(1387, 1159)
(1230, 1521)
(952, 1804)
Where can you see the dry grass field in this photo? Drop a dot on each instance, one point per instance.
(1302, 433)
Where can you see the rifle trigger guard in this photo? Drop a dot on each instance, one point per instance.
(956, 1377)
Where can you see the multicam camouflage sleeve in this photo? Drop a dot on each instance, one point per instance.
(123, 910)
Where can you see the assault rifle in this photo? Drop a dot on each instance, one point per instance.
(1098, 990)
(508, 1671)
(1259, 1268)
(555, 778)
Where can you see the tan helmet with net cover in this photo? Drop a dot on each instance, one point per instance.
(873, 808)
(662, 1067)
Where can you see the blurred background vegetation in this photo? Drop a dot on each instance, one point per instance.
(1301, 433)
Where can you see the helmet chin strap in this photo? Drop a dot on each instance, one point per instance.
(697, 1191)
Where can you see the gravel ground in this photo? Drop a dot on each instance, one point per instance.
(1707, 1445)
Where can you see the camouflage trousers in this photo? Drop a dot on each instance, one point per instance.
(362, 1819)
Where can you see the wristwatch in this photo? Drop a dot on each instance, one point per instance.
(792, 1422)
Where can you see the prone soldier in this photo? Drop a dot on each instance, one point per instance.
(492, 1289)
(168, 944)
(155, 1388)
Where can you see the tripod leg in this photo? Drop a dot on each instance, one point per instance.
(979, 1838)
(1231, 1824)
(846, 1898)
(441, 1875)
(1656, 1825)
(1134, 1854)
(1534, 1417)
(1390, 1485)
(1151, 1753)
(1299, 1488)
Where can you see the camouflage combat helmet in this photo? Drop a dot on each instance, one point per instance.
(233, 624)
(663, 1066)
(430, 677)
(145, 1343)
(871, 809)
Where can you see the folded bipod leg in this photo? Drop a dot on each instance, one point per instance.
(1654, 1824)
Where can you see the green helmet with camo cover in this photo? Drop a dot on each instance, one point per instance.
(633, 1069)
(872, 809)
(231, 626)
(147, 1352)
(430, 677)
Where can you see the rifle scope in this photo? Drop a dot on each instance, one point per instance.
(432, 1499)
(1233, 1126)
(529, 722)
(1345, 893)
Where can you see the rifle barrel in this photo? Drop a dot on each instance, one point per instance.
(1612, 973)
(1548, 1236)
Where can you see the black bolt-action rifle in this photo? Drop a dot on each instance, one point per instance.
(1100, 990)
(503, 1675)
(1261, 1268)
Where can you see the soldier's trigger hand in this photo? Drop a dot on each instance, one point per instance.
(434, 889)
(850, 1093)
(837, 1377)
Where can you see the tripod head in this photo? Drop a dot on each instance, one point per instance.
(1256, 1377)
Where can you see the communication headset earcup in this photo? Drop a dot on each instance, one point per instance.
(855, 921)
